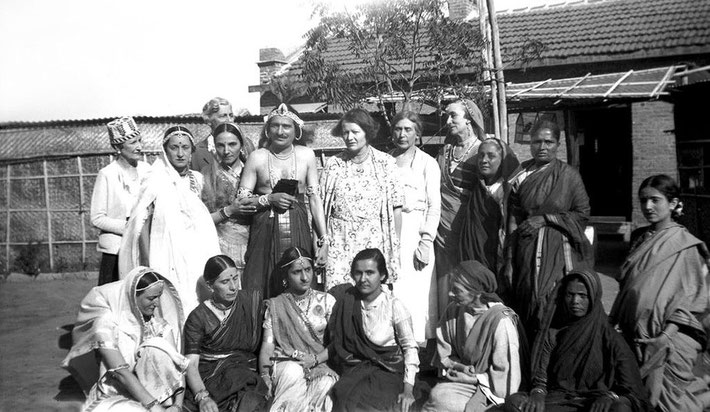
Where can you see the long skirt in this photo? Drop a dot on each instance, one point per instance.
(366, 387)
(417, 289)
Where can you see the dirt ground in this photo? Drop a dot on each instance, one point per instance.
(36, 319)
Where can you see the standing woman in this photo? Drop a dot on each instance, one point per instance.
(663, 300)
(128, 335)
(363, 199)
(116, 191)
(373, 346)
(548, 214)
(221, 338)
(293, 353)
(231, 216)
(421, 180)
(457, 163)
(170, 228)
(485, 221)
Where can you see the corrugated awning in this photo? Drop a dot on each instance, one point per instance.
(649, 83)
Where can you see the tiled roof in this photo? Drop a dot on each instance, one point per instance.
(588, 31)
(610, 30)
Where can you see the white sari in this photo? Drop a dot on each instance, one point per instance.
(181, 233)
(109, 318)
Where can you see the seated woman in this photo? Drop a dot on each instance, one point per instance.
(133, 328)
(221, 338)
(293, 356)
(478, 345)
(373, 346)
(580, 363)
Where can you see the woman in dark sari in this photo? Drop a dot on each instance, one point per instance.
(373, 346)
(221, 339)
(486, 215)
(549, 211)
(580, 363)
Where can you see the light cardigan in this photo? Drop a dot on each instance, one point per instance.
(115, 193)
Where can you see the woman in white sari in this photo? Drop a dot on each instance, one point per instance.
(170, 229)
(133, 325)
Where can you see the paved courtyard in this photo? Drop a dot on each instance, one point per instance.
(36, 318)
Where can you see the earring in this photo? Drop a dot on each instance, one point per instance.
(284, 283)
(300, 134)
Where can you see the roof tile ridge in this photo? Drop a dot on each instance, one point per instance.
(554, 4)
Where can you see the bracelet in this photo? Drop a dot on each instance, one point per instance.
(223, 213)
(322, 241)
(264, 200)
(612, 395)
(538, 390)
(315, 360)
(150, 404)
(201, 395)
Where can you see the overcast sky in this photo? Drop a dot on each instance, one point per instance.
(81, 59)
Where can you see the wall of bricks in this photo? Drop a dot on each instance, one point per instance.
(653, 146)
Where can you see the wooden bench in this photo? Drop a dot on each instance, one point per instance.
(611, 225)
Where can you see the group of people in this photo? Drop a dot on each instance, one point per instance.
(260, 282)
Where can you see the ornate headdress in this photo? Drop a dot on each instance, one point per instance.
(282, 110)
(121, 130)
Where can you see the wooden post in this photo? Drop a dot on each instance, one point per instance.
(49, 215)
(498, 65)
(7, 228)
(81, 210)
(488, 62)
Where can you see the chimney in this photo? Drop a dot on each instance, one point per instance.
(461, 9)
(270, 61)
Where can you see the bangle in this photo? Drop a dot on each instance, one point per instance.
(223, 213)
(538, 390)
(202, 395)
(150, 404)
(322, 241)
(612, 395)
(264, 200)
(315, 360)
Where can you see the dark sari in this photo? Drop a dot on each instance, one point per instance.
(270, 235)
(228, 354)
(580, 360)
(370, 375)
(485, 219)
(540, 260)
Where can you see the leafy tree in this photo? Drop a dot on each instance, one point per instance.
(405, 47)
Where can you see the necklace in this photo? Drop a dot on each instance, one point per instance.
(461, 157)
(299, 301)
(281, 156)
(359, 165)
(221, 308)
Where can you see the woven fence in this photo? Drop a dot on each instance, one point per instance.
(45, 208)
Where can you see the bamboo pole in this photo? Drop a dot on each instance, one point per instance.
(7, 228)
(49, 215)
(81, 210)
(498, 65)
(488, 63)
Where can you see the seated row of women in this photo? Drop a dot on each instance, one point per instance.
(354, 354)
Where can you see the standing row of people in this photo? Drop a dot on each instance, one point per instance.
(518, 230)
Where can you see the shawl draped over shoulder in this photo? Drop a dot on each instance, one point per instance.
(109, 318)
(370, 375)
(579, 360)
(170, 230)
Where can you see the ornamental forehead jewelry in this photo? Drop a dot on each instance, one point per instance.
(300, 256)
(179, 133)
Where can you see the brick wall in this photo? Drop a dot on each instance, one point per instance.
(653, 146)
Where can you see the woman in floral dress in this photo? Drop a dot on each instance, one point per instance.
(363, 200)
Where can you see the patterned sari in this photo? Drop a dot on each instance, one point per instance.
(227, 353)
(303, 330)
(109, 318)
